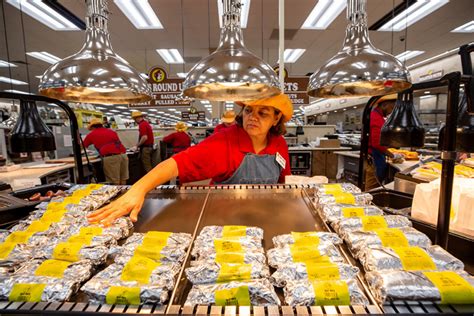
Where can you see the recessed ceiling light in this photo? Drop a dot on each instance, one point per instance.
(122, 107)
(144, 75)
(12, 81)
(409, 54)
(244, 14)
(6, 64)
(16, 91)
(291, 55)
(44, 56)
(140, 13)
(323, 13)
(415, 12)
(44, 12)
(465, 28)
(182, 74)
(427, 92)
(171, 56)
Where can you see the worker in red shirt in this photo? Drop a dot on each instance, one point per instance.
(179, 140)
(145, 140)
(111, 150)
(228, 120)
(253, 151)
(377, 166)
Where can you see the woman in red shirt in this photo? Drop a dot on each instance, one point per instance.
(179, 140)
(251, 152)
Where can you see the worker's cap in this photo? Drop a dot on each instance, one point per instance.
(388, 97)
(181, 127)
(93, 122)
(136, 114)
(280, 102)
(228, 116)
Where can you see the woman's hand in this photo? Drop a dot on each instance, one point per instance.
(129, 203)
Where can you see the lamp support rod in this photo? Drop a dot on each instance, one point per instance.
(73, 125)
(281, 44)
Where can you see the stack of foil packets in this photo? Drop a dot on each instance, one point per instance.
(230, 268)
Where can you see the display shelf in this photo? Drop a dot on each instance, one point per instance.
(85, 116)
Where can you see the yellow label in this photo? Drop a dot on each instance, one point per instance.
(139, 269)
(331, 293)
(52, 268)
(236, 297)
(352, 211)
(230, 257)
(68, 251)
(332, 188)
(392, 237)
(26, 292)
(90, 231)
(452, 287)
(234, 231)
(414, 258)
(149, 251)
(306, 253)
(5, 249)
(234, 272)
(80, 193)
(370, 223)
(344, 197)
(305, 238)
(72, 200)
(81, 239)
(55, 206)
(38, 226)
(322, 271)
(94, 186)
(222, 245)
(53, 215)
(20, 237)
(156, 238)
(123, 295)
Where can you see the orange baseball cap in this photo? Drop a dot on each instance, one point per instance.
(280, 102)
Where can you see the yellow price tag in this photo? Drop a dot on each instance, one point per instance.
(332, 188)
(370, 223)
(38, 226)
(72, 200)
(52, 268)
(230, 257)
(53, 215)
(414, 259)
(322, 271)
(306, 253)
(392, 237)
(235, 297)
(139, 269)
(55, 206)
(453, 288)
(5, 249)
(352, 211)
(26, 292)
(20, 237)
(344, 197)
(234, 272)
(81, 239)
(149, 251)
(331, 293)
(121, 295)
(305, 238)
(234, 231)
(156, 238)
(222, 245)
(94, 186)
(67, 251)
(91, 231)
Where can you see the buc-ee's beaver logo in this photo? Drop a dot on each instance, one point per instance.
(157, 75)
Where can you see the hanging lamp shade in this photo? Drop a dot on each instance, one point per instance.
(232, 72)
(30, 133)
(358, 69)
(403, 128)
(95, 74)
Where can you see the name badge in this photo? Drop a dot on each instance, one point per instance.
(280, 160)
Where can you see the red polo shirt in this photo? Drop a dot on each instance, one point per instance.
(218, 156)
(376, 122)
(144, 128)
(220, 127)
(105, 140)
(179, 140)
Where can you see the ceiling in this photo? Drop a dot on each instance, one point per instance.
(201, 34)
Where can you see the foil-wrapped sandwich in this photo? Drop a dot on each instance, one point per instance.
(254, 292)
(160, 253)
(211, 232)
(25, 237)
(13, 255)
(306, 238)
(369, 223)
(332, 292)
(203, 250)
(79, 271)
(312, 271)
(37, 289)
(73, 251)
(344, 198)
(330, 188)
(248, 242)
(447, 287)
(333, 212)
(181, 240)
(168, 270)
(231, 257)
(278, 257)
(115, 286)
(213, 272)
(387, 237)
(409, 258)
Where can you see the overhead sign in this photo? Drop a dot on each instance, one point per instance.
(295, 87)
(164, 90)
(431, 75)
(193, 116)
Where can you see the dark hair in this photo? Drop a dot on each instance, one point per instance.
(97, 125)
(279, 129)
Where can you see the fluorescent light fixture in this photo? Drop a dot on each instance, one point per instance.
(144, 75)
(412, 14)
(182, 74)
(426, 96)
(323, 14)
(465, 28)
(409, 54)
(16, 91)
(12, 81)
(39, 77)
(291, 55)
(171, 56)
(6, 64)
(140, 13)
(244, 14)
(427, 92)
(45, 14)
(122, 107)
(44, 56)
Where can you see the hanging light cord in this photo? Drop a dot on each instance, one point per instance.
(24, 47)
(6, 45)
(182, 33)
